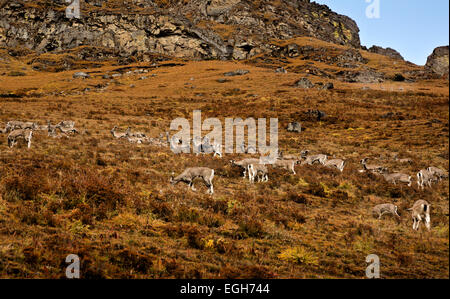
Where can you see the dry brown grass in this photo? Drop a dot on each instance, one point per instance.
(110, 202)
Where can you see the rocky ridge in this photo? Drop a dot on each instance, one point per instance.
(215, 29)
(438, 61)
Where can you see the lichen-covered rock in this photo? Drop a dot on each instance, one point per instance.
(219, 29)
(365, 75)
(438, 61)
(304, 83)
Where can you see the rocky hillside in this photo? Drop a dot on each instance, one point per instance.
(221, 29)
(438, 61)
(394, 54)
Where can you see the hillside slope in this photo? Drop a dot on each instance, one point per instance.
(110, 202)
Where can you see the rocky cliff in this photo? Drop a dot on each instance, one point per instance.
(394, 54)
(438, 61)
(213, 29)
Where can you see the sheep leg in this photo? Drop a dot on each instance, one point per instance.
(211, 189)
(428, 221)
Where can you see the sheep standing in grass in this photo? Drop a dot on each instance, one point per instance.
(207, 147)
(190, 174)
(282, 156)
(398, 177)
(118, 135)
(424, 177)
(289, 165)
(26, 135)
(372, 168)
(51, 130)
(386, 208)
(311, 159)
(14, 125)
(257, 170)
(438, 173)
(421, 210)
(337, 163)
(129, 133)
(243, 164)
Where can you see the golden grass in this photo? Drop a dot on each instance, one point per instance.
(110, 201)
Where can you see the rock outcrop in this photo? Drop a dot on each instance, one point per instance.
(220, 29)
(438, 61)
(389, 52)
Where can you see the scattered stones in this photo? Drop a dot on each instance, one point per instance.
(81, 75)
(236, 73)
(393, 116)
(294, 127)
(304, 83)
(366, 75)
(281, 70)
(315, 114)
(351, 56)
(326, 86)
(222, 80)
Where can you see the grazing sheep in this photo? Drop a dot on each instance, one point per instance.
(66, 130)
(282, 156)
(177, 146)
(310, 160)
(136, 140)
(243, 164)
(289, 165)
(157, 141)
(52, 130)
(425, 177)
(438, 173)
(247, 150)
(403, 161)
(67, 124)
(208, 147)
(398, 177)
(386, 208)
(338, 163)
(420, 210)
(26, 135)
(116, 134)
(257, 170)
(372, 168)
(190, 174)
(134, 134)
(14, 125)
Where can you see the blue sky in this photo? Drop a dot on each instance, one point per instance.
(412, 27)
